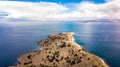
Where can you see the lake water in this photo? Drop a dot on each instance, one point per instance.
(102, 39)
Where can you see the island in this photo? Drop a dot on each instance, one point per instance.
(60, 50)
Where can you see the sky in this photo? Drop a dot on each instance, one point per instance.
(59, 1)
(58, 10)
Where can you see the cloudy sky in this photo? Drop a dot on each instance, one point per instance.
(58, 10)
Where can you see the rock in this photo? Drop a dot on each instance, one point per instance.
(60, 50)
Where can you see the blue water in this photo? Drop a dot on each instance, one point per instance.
(102, 39)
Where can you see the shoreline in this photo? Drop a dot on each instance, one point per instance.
(60, 50)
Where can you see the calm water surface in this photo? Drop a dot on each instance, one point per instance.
(102, 39)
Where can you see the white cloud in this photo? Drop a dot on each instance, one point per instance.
(111, 0)
(35, 11)
(47, 11)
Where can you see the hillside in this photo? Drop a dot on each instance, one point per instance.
(60, 50)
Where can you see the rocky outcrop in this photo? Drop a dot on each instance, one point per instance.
(60, 50)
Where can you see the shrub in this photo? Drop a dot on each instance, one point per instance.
(29, 56)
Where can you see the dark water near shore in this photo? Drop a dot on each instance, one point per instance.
(102, 39)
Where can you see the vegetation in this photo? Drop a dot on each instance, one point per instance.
(84, 50)
(43, 65)
(27, 62)
(29, 56)
(63, 45)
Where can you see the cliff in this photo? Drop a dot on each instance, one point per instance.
(60, 50)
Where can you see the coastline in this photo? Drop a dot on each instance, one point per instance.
(53, 44)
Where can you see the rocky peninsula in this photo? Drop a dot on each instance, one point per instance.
(60, 50)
